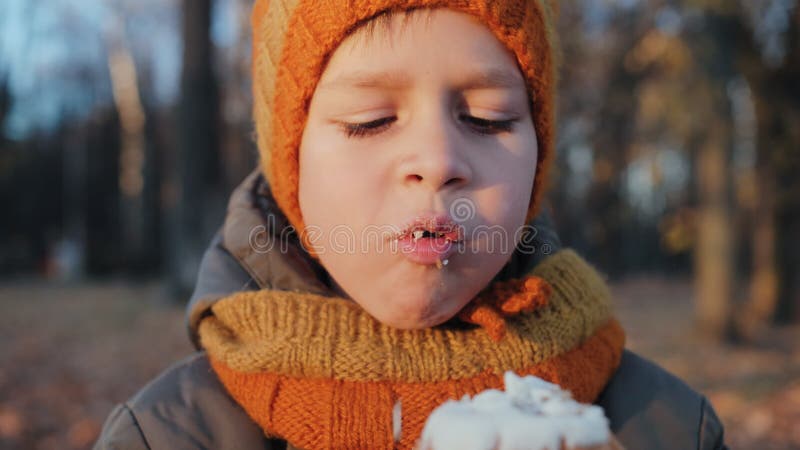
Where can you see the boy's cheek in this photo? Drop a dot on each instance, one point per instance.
(339, 193)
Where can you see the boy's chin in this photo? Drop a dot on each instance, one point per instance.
(419, 313)
(414, 324)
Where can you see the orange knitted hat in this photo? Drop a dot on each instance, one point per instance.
(293, 39)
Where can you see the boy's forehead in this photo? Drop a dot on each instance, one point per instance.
(367, 60)
(480, 77)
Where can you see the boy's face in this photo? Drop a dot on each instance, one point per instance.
(423, 119)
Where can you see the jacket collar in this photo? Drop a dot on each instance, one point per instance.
(261, 239)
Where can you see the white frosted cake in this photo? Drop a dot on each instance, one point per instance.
(531, 414)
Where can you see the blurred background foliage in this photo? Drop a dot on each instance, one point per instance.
(125, 124)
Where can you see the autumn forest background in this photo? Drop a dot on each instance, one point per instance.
(125, 124)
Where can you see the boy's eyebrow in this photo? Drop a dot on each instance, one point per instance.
(369, 80)
(486, 78)
(492, 77)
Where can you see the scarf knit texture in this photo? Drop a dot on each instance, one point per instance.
(321, 373)
(293, 40)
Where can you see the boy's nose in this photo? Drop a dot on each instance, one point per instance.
(437, 161)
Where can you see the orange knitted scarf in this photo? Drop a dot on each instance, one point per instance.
(322, 374)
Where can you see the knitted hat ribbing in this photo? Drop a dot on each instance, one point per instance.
(293, 39)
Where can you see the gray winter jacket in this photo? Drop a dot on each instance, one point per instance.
(186, 407)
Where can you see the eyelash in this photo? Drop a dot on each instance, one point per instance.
(481, 126)
(364, 129)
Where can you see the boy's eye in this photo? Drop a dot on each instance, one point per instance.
(487, 126)
(477, 124)
(363, 129)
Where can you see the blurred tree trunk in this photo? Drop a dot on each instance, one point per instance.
(137, 245)
(5, 104)
(764, 278)
(238, 148)
(133, 159)
(775, 289)
(604, 207)
(75, 175)
(715, 250)
(785, 97)
(774, 294)
(193, 192)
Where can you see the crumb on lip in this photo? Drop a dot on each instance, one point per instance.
(451, 232)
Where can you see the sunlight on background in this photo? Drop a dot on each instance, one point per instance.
(676, 175)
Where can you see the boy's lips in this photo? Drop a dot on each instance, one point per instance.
(431, 226)
(429, 238)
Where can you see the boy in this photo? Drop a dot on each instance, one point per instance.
(408, 145)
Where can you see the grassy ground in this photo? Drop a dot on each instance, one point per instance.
(69, 352)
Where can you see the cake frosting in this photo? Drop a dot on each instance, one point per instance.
(532, 414)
